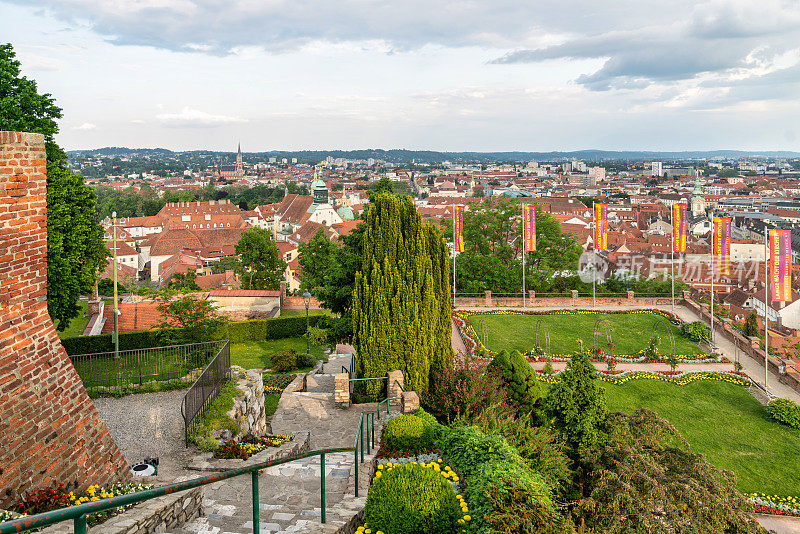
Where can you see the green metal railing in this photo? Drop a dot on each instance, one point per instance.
(79, 513)
(365, 434)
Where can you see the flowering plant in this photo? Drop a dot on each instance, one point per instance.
(248, 445)
(677, 377)
(53, 498)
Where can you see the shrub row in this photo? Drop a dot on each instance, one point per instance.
(408, 432)
(499, 483)
(239, 331)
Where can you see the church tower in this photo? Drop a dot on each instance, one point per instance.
(239, 164)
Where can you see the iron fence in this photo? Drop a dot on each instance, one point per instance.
(205, 389)
(136, 366)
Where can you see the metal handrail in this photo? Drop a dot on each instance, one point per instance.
(189, 420)
(368, 378)
(79, 512)
(365, 437)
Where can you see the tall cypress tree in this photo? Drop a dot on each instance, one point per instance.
(401, 297)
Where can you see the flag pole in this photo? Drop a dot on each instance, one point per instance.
(766, 306)
(455, 252)
(594, 253)
(524, 242)
(672, 263)
(713, 237)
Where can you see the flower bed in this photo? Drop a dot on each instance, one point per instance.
(248, 445)
(677, 377)
(413, 497)
(775, 504)
(276, 383)
(47, 499)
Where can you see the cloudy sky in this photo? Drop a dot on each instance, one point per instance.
(418, 74)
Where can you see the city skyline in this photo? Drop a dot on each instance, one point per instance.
(441, 76)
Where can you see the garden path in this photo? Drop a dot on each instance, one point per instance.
(289, 497)
(148, 424)
(751, 367)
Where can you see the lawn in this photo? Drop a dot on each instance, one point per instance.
(727, 424)
(302, 312)
(255, 354)
(78, 324)
(630, 332)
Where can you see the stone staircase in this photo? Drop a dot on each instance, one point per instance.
(289, 494)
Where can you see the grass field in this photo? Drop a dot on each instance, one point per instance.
(727, 424)
(302, 313)
(78, 324)
(630, 332)
(255, 354)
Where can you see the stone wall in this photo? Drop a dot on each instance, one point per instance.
(149, 517)
(50, 431)
(248, 406)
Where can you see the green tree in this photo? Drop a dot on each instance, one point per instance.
(315, 257)
(75, 248)
(519, 379)
(751, 325)
(228, 263)
(645, 479)
(196, 320)
(576, 404)
(186, 281)
(260, 267)
(401, 296)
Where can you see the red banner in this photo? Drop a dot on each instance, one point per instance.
(722, 244)
(458, 227)
(600, 226)
(529, 228)
(780, 258)
(679, 228)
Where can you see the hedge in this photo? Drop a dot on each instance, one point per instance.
(236, 332)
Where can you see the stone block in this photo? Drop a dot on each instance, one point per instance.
(410, 401)
(341, 390)
(392, 388)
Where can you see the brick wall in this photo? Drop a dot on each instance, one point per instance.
(50, 431)
(297, 303)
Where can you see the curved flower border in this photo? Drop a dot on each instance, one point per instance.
(679, 378)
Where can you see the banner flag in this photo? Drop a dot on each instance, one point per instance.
(679, 228)
(722, 243)
(529, 228)
(458, 227)
(780, 257)
(600, 226)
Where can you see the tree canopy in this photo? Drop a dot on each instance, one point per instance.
(75, 248)
(261, 267)
(401, 295)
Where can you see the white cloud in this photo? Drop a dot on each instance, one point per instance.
(189, 117)
(86, 126)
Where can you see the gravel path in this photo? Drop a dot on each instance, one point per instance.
(148, 424)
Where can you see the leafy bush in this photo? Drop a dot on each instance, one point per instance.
(284, 361)
(263, 329)
(425, 416)
(695, 331)
(305, 360)
(408, 432)
(411, 499)
(522, 388)
(462, 393)
(785, 411)
(499, 480)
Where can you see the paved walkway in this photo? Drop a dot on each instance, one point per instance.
(289, 496)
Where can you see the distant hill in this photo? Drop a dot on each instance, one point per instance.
(429, 156)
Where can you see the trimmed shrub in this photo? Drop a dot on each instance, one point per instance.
(306, 360)
(518, 376)
(425, 416)
(263, 329)
(785, 411)
(499, 483)
(408, 432)
(284, 361)
(411, 499)
(695, 331)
